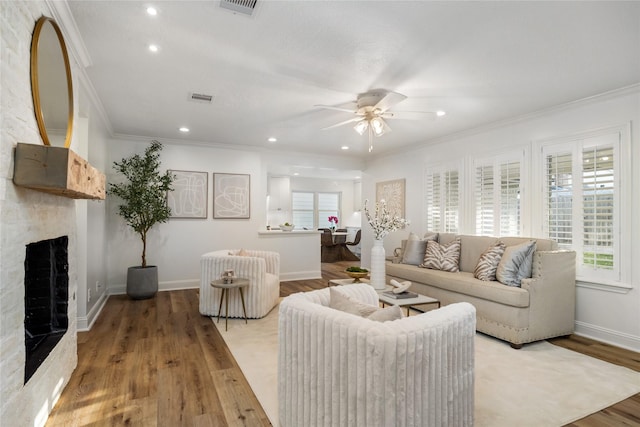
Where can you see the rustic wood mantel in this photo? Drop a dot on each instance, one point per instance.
(57, 170)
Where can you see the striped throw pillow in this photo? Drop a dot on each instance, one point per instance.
(442, 257)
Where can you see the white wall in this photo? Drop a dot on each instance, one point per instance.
(176, 246)
(608, 314)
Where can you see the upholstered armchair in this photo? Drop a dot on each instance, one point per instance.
(262, 268)
(340, 369)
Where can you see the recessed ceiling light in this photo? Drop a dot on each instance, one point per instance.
(344, 147)
(152, 11)
(356, 177)
(296, 174)
(184, 129)
(272, 139)
(153, 48)
(440, 113)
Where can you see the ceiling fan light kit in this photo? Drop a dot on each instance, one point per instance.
(372, 108)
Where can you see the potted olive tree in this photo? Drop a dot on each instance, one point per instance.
(143, 193)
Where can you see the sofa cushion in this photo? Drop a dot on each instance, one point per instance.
(442, 257)
(488, 263)
(516, 263)
(347, 304)
(444, 238)
(462, 282)
(541, 244)
(471, 248)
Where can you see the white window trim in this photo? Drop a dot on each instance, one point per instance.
(496, 161)
(430, 169)
(316, 210)
(623, 195)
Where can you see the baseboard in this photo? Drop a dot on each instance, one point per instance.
(609, 336)
(300, 275)
(177, 285)
(85, 323)
(174, 285)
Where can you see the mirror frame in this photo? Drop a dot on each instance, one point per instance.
(35, 86)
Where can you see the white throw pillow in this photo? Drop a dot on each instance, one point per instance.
(342, 302)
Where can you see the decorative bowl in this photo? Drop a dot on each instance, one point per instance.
(357, 275)
(286, 227)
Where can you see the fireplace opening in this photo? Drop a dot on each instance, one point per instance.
(46, 299)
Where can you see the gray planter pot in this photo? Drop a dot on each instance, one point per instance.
(142, 282)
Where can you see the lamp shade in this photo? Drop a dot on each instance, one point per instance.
(361, 126)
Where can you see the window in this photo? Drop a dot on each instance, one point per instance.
(302, 209)
(312, 209)
(581, 202)
(442, 200)
(497, 197)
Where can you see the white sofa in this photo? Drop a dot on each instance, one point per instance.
(339, 369)
(543, 307)
(262, 268)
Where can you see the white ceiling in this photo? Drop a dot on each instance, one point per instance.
(480, 61)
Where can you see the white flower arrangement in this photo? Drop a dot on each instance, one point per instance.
(382, 222)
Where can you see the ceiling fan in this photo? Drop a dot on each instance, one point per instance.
(371, 110)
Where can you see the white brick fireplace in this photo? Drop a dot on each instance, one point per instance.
(27, 216)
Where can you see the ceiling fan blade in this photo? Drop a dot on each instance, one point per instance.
(389, 100)
(410, 115)
(331, 107)
(354, 119)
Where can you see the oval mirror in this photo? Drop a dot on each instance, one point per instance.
(51, 84)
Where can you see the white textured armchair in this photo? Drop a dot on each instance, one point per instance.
(338, 369)
(262, 268)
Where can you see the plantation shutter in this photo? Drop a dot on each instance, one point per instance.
(497, 194)
(433, 201)
(484, 200)
(451, 201)
(442, 200)
(559, 198)
(582, 202)
(510, 199)
(598, 189)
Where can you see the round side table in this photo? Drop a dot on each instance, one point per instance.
(238, 283)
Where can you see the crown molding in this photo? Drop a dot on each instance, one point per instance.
(63, 16)
(78, 51)
(615, 93)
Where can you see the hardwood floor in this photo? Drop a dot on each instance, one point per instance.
(158, 362)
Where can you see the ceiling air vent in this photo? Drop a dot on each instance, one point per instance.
(200, 97)
(241, 6)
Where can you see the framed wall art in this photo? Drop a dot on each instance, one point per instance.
(231, 196)
(189, 196)
(392, 192)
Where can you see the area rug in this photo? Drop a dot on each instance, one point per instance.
(538, 385)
